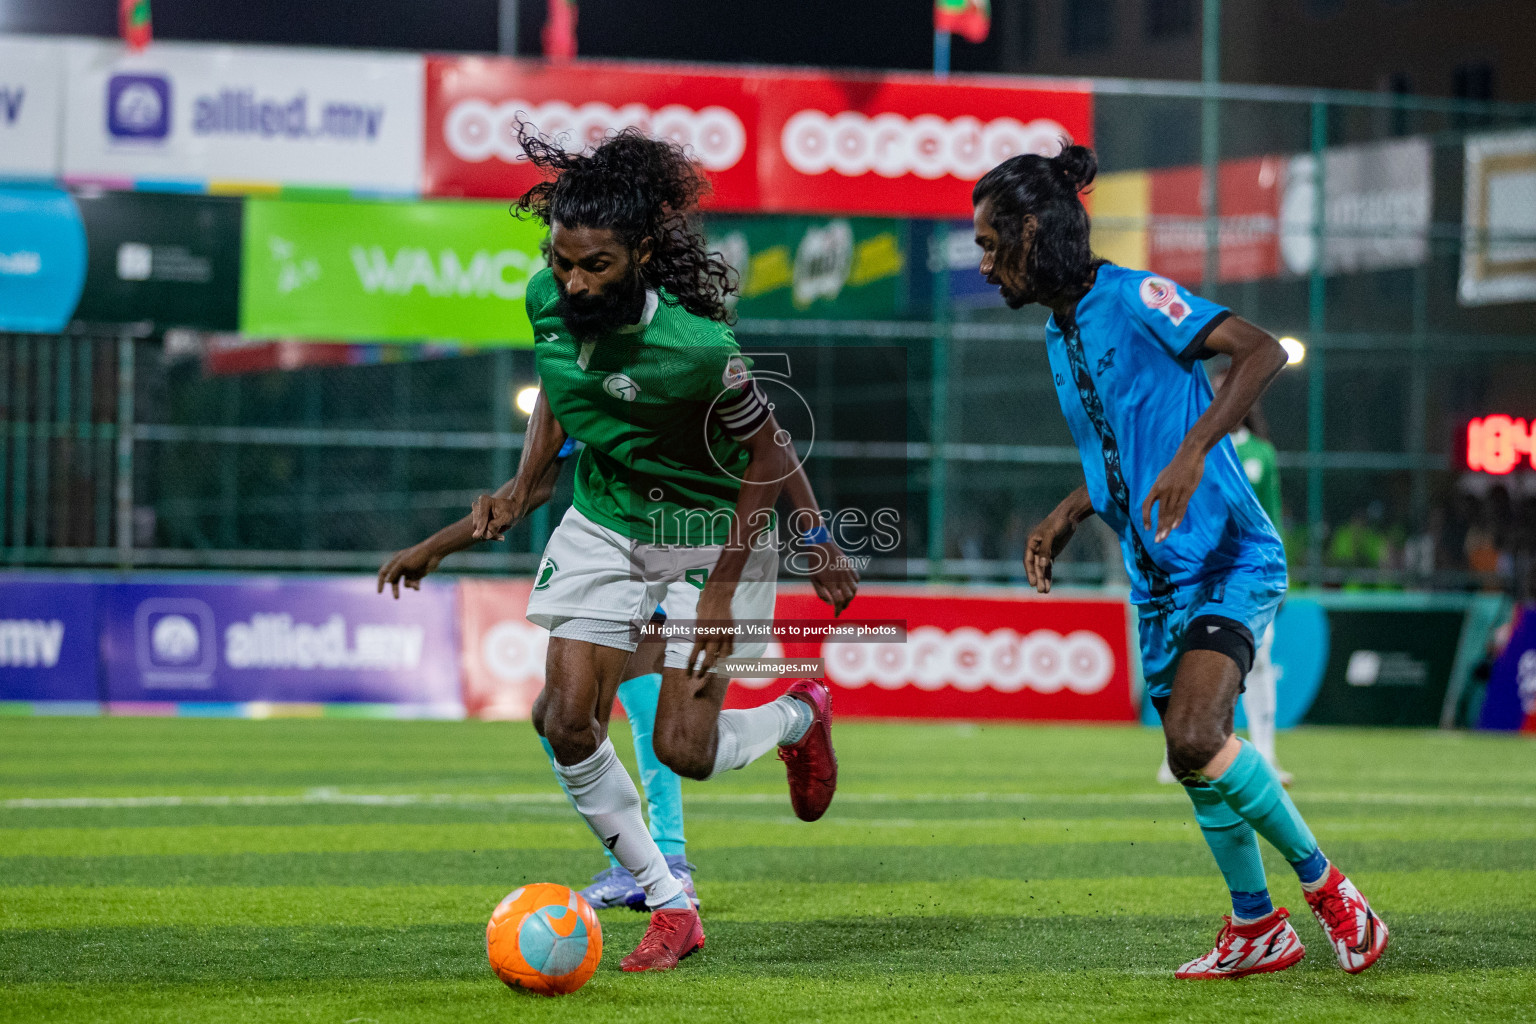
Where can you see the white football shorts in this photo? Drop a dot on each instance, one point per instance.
(590, 572)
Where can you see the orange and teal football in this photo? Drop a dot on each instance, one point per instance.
(544, 938)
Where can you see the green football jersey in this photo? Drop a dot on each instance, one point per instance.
(658, 464)
(1258, 458)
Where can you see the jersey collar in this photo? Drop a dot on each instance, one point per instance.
(1089, 296)
(652, 301)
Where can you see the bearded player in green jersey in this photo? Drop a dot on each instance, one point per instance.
(675, 488)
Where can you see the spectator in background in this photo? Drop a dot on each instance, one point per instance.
(1361, 542)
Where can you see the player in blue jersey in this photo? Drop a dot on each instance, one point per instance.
(1206, 566)
(638, 694)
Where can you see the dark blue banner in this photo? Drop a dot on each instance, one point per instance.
(47, 640)
(293, 641)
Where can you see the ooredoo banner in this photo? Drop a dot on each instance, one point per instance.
(784, 142)
(502, 652)
(967, 655)
(902, 144)
(180, 114)
(475, 104)
(312, 641)
(970, 656)
(31, 98)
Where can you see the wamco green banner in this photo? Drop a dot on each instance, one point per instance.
(446, 271)
(848, 267)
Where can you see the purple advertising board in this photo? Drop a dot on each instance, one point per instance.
(292, 641)
(47, 640)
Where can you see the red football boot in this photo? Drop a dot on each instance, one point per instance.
(1268, 944)
(672, 935)
(810, 762)
(1357, 935)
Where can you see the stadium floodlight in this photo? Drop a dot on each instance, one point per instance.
(1295, 352)
(526, 397)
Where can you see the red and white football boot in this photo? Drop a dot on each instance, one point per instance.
(1268, 944)
(1357, 934)
(671, 936)
(810, 761)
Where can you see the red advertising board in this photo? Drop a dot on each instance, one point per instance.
(970, 655)
(474, 104)
(781, 141)
(902, 144)
(501, 652)
(1248, 201)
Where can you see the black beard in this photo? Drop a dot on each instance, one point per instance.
(596, 315)
(1018, 299)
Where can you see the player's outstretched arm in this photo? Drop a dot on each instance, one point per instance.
(1050, 538)
(1256, 358)
(537, 471)
(832, 574)
(769, 460)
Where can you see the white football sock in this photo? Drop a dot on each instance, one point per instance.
(742, 737)
(607, 798)
(1259, 704)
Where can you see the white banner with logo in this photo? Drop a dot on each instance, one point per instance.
(1498, 252)
(193, 115)
(31, 98)
(1376, 208)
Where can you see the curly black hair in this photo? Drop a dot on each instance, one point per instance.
(1060, 261)
(638, 187)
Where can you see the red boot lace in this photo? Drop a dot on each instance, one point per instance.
(663, 927)
(1334, 909)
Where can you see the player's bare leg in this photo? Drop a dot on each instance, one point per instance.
(614, 886)
(1237, 794)
(698, 740)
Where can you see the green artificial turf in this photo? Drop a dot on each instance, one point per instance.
(335, 870)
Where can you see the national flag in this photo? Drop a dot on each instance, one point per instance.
(560, 30)
(133, 23)
(970, 19)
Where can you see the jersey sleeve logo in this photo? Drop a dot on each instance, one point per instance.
(620, 386)
(1161, 294)
(736, 373)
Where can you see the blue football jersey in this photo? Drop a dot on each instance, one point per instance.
(1131, 384)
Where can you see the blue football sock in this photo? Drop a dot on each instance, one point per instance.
(1250, 906)
(1236, 849)
(678, 902)
(1252, 789)
(612, 860)
(663, 788)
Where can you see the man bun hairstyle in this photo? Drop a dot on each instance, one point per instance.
(1060, 259)
(638, 187)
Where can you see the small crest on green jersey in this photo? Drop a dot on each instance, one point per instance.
(547, 570)
(621, 386)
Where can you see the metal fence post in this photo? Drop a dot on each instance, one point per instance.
(1210, 143)
(125, 369)
(1317, 322)
(21, 438)
(938, 409)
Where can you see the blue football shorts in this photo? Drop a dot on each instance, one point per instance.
(1224, 613)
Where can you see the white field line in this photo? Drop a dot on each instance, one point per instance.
(331, 796)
